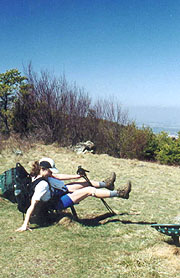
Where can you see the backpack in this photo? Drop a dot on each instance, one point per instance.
(22, 188)
(17, 186)
(7, 181)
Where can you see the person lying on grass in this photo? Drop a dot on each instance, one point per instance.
(70, 193)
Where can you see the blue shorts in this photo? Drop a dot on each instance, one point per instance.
(64, 202)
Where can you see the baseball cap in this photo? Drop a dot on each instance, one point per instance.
(48, 163)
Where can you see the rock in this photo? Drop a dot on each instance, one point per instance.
(18, 152)
(84, 147)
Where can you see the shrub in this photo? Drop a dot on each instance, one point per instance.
(168, 149)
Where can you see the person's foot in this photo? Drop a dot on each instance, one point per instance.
(110, 181)
(124, 193)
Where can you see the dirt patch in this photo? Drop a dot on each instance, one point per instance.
(65, 221)
(3, 200)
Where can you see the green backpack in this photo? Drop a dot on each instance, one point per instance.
(12, 181)
(7, 182)
(16, 185)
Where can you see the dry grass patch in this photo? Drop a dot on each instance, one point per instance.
(169, 256)
(98, 245)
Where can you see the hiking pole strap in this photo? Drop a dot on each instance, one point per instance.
(82, 173)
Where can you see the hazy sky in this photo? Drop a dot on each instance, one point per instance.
(127, 49)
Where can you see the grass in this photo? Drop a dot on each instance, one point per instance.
(98, 245)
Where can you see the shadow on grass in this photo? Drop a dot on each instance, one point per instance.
(171, 241)
(104, 219)
(91, 219)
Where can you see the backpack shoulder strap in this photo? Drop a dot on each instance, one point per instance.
(35, 182)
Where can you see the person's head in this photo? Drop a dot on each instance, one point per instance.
(44, 167)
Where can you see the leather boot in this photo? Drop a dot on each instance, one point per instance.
(124, 193)
(110, 181)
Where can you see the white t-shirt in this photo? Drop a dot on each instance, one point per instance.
(42, 191)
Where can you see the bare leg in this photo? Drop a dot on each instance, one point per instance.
(79, 185)
(85, 192)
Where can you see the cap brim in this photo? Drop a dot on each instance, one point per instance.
(54, 170)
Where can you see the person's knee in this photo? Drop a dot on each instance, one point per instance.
(91, 191)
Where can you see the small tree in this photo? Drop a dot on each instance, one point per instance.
(10, 83)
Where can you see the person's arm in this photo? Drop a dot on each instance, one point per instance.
(29, 212)
(65, 176)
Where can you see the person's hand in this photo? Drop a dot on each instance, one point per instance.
(23, 228)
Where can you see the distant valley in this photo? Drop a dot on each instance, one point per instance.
(158, 118)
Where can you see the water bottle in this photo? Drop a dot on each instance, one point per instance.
(16, 190)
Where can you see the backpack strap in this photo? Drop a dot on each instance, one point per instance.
(35, 182)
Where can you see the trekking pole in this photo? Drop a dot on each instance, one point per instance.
(82, 172)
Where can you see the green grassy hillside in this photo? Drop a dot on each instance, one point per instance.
(98, 245)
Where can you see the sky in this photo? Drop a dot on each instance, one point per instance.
(127, 50)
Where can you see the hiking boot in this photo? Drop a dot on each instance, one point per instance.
(124, 193)
(110, 181)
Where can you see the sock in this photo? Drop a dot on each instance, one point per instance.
(102, 184)
(114, 193)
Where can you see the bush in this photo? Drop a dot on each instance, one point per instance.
(168, 149)
(137, 143)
